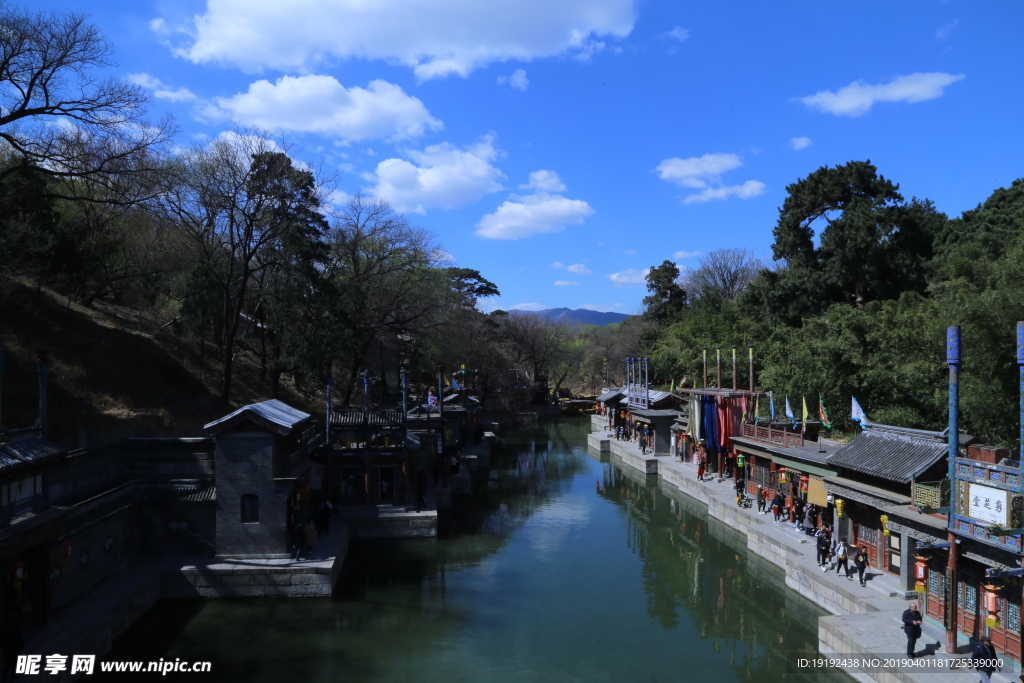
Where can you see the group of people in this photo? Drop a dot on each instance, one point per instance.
(984, 657)
(632, 433)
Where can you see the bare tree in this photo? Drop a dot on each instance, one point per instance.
(384, 278)
(55, 115)
(723, 272)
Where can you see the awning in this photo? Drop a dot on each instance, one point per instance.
(803, 467)
(865, 493)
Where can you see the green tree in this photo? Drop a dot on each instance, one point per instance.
(870, 245)
(667, 299)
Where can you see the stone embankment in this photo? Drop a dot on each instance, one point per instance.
(864, 622)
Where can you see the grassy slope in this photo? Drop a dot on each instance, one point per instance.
(112, 372)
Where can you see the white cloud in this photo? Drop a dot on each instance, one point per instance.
(578, 269)
(442, 256)
(161, 91)
(546, 181)
(799, 143)
(629, 278)
(435, 38)
(704, 172)
(857, 98)
(749, 189)
(697, 171)
(946, 30)
(685, 254)
(631, 251)
(534, 214)
(320, 104)
(680, 34)
(442, 176)
(529, 307)
(517, 80)
(564, 283)
(558, 264)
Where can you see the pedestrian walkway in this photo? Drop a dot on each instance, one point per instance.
(866, 621)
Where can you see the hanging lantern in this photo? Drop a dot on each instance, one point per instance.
(783, 477)
(804, 481)
(921, 574)
(18, 575)
(884, 519)
(65, 551)
(840, 504)
(992, 606)
(740, 460)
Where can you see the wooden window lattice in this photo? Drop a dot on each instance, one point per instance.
(1012, 618)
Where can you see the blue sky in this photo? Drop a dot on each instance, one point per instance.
(561, 147)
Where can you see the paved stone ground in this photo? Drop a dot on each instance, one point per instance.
(865, 621)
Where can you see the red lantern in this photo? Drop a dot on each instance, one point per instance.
(992, 606)
(18, 575)
(921, 574)
(783, 476)
(65, 551)
(803, 483)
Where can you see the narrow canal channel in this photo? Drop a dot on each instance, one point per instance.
(571, 569)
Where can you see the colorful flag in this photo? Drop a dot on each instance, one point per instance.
(823, 414)
(431, 399)
(789, 411)
(857, 413)
(771, 404)
(672, 387)
(804, 420)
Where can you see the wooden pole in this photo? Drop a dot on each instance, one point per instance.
(734, 368)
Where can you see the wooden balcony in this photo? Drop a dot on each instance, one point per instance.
(776, 437)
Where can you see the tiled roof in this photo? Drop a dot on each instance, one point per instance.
(610, 395)
(892, 453)
(272, 415)
(27, 450)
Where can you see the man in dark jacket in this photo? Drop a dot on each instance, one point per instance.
(824, 546)
(985, 659)
(912, 627)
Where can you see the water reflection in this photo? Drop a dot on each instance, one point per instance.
(697, 569)
(545, 577)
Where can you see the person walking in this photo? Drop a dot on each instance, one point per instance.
(811, 519)
(823, 546)
(912, 627)
(309, 537)
(421, 490)
(860, 561)
(700, 467)
(761, 502)
(986, 660)
(798, 513)
(777, 506)
(842, 559)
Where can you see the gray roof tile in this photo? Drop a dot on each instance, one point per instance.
(892, 453)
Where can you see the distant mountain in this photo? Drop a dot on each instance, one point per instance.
(580, 315)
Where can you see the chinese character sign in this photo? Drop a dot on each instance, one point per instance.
(987, 504)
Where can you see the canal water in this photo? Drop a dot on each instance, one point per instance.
(569, 569)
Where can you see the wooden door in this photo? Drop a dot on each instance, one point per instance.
(1006, 638)
(967, 605)
(935, 600)
(865, 533)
